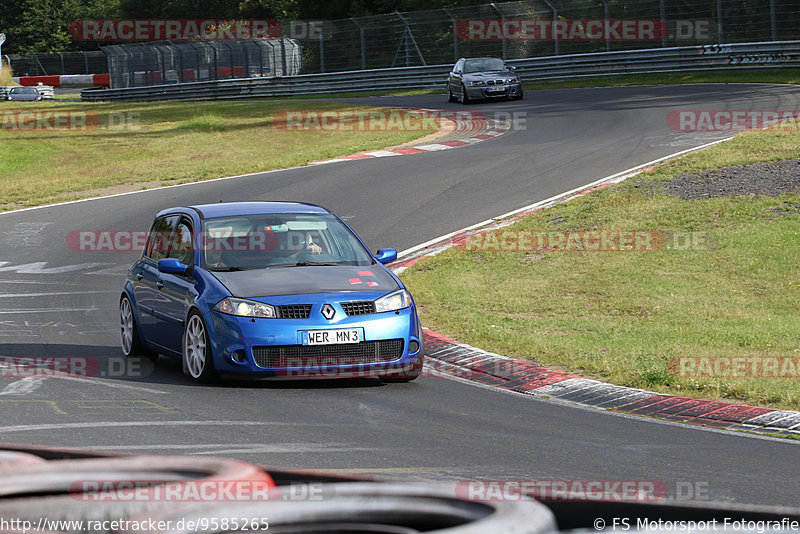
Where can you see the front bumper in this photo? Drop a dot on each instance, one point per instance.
(273, 348)
(496, 91)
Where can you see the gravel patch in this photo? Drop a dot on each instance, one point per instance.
(765, 179)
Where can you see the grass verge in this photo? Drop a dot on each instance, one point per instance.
(627, 317)
(167, 143)
(7, 75)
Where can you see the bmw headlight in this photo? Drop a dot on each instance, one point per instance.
(244, 308)
(476, 83)
(393, 301)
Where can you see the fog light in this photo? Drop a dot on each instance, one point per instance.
(413, 346)
(238, 356)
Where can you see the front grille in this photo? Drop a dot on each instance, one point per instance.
(321, 355)
(361, 307)
(293, 311)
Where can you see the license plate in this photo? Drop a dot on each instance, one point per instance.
(332, 337)
(496, 89)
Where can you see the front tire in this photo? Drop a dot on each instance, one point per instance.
(464, 96)
(132, 346)
(450, 97)
(198, 363)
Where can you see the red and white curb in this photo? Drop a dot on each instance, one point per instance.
(66, 80)
(491, 369)
(478, 365)
(464, 129)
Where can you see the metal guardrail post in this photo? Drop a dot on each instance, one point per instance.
(284, 70)
(363, 43)
(503, 25)
(321, 48)
(663, 14)
(773, 20)
(2, 40)
(606, 16)
(719, 21)
(556, 41)
(447, 12)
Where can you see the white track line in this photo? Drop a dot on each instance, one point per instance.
(614, 177)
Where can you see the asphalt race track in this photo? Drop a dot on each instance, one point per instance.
(62, 302)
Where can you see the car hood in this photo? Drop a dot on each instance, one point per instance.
(490, 73)
(302, 280)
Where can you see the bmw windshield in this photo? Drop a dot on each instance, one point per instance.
(483, 65)
(279, 240)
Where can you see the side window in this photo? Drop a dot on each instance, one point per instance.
(182, 243)
(459, 66)
(158, 240)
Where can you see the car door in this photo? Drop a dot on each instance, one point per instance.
(454, 82)
(145, 275)
(176, 292)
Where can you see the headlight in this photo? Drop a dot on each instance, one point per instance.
(244, 308)
(393, 301)
(476, 83)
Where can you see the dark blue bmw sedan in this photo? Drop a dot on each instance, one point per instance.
(268, 289)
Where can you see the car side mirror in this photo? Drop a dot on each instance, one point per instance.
(511, 67)
(172, 266)
(385, 255)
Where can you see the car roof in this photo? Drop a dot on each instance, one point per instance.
(227, 209)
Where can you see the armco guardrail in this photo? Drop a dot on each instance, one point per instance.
(679, 59)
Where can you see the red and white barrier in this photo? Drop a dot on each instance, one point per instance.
(66, 80)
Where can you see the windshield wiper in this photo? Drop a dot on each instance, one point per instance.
(227, 269)
(315, 263)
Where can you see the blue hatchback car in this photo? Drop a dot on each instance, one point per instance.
(268, 289)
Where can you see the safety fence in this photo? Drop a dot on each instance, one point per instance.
(678, 59)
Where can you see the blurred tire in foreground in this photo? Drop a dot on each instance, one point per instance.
(111, 489)
(354, 508)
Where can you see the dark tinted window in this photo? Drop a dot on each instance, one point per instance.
(158, 241)
(181, 243)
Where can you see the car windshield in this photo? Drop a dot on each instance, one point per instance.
(483, 65)
(279, 240)
(23, 90)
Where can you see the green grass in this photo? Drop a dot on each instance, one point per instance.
(621, 316)
(6, 76)
(166, 143)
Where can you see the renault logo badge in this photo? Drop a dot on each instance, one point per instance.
(328, 312)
